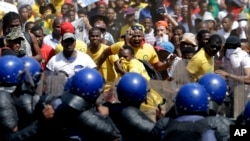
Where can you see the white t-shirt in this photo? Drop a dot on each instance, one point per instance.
(81, 31)
(150, 37)
(60, 63)
(223, 33)
(235, 62)
(49, 40)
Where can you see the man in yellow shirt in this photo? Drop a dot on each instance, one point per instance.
(143, 51)
(68, 27)
(203, 61)
(95, 50)
(129, 63)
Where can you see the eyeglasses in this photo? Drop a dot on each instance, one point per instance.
(136, 27)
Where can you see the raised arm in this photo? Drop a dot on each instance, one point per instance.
(107, 52)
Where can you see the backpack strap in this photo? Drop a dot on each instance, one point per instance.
(151, 70)
(29, 39)
(3, 48)
(2, 44)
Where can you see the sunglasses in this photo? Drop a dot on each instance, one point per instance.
(215, 47)
(136, 27)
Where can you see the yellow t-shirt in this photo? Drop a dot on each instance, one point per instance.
(200, 64)
(58, 5)
(35, 9)
(107, 69)
(142, 4)
(126, 27)
(135, 65)
(31, 19)
(80, 46)
(145, 52)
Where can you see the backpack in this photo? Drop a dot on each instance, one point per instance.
(28, 38)
(185, 131)
(155, 75)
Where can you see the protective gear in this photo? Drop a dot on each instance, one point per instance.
(76, 102)
(132, 89)
(28, 133)
(221, 125)
(133, 124)
(8, 114)
(91, 123)
(191, 98)
(173, 130)
(34, 69)
(87, 83)
(188, 131)
(215, 85)
(68, 108)
(25, 105)
(246, 113)
(11, 70)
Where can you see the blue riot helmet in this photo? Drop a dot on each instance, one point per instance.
(87, 83)
(11, 70)
(132, 89)
(34, 70)
(192, 98)
(246, 113)
(215, 85)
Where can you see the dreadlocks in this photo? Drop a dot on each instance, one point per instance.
(10, 16)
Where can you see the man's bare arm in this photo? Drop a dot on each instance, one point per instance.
(107, 52)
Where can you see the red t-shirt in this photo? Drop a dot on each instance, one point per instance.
(47, 52)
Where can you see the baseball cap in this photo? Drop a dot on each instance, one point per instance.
(68, 36)
(15, 33)
(166, 46)
(232, 42)
(67, 27)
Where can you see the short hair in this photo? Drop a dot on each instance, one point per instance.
(43, 8)
(201, 33)
(95, 29)
(201, 2)
(129, 48)
(21, 7)
(28, 23)
(181, 27)
(35, 28)
(215, 40)
(230, 17)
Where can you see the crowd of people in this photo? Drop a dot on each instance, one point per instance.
(76, 72)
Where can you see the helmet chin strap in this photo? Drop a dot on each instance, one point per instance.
(30, 79)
